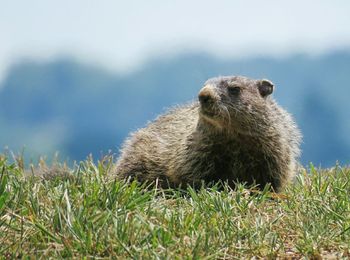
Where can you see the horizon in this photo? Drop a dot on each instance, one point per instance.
(165, 58)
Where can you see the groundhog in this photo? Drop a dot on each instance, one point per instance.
(234, 133)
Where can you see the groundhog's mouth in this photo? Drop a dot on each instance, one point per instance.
(207, 112)
(210, 117)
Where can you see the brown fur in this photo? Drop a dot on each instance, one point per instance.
(236, 133)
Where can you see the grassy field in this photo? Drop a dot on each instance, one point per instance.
(89, 215)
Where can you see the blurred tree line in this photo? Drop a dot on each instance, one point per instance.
(78, 109)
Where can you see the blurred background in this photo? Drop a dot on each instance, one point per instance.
(77, 76)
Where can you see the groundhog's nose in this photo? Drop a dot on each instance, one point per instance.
(206, 95)
(204, 98)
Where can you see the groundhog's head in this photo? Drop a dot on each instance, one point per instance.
(237, 103)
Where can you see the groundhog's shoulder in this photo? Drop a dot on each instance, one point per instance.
(175, 118)
(165, 129)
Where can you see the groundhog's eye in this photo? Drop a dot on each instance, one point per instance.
(234, 90)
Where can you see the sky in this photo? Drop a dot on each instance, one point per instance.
(121, 35)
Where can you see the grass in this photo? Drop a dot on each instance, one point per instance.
(89, 215)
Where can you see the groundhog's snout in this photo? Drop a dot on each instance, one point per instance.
(207, 95)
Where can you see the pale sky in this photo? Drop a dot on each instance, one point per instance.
(120, 35)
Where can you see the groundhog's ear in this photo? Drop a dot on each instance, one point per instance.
(265, 87)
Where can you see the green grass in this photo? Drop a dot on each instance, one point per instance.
(89, 215)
